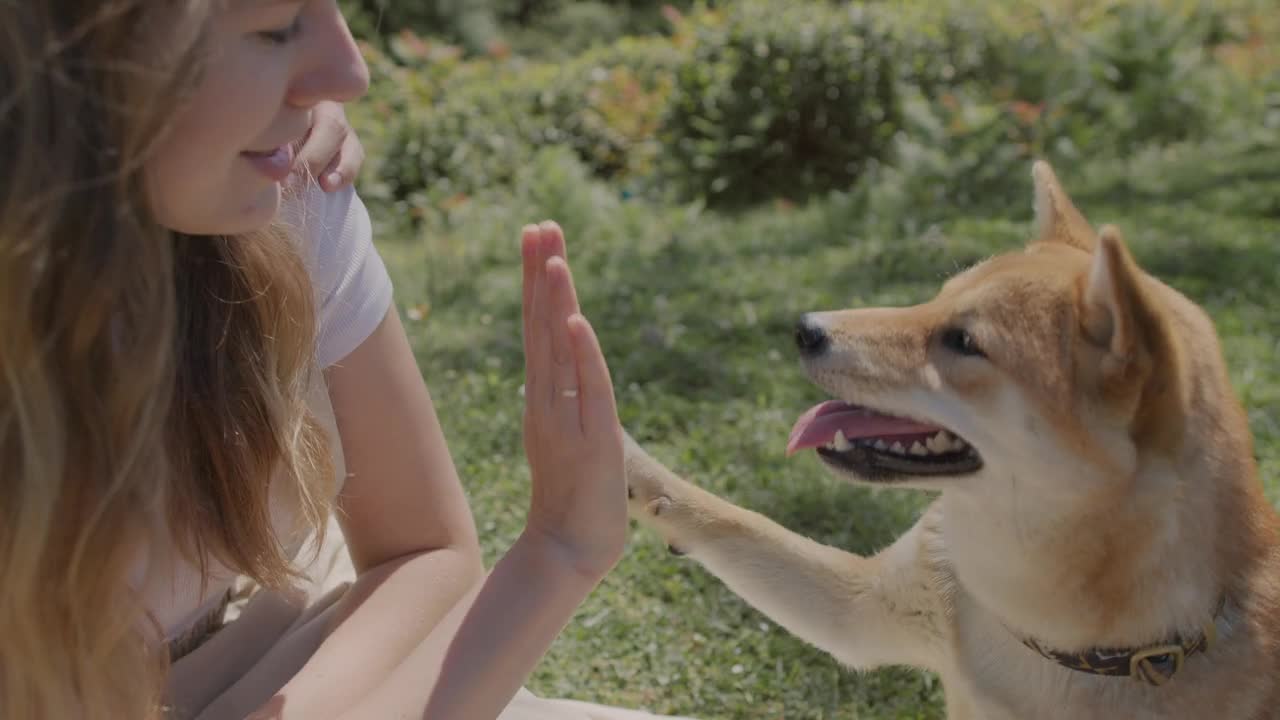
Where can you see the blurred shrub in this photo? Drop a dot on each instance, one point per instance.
(779, 100)
(1100, 75)
(942, 103)
(942, 43)
(544, 28)
(962, 151)
(489, 117)
(1134, 73)
(475, 24)
(987, 87)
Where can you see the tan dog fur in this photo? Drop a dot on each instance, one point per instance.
(1118, 501)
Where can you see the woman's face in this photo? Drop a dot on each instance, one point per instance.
(220, 168)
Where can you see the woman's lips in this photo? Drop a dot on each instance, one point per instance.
(275, 164)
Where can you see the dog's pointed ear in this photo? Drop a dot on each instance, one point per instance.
(1057, 219)
(1141, 368)
(1114, 310)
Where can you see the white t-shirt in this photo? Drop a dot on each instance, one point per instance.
(353, 293)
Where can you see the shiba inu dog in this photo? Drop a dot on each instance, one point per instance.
(1100, 545)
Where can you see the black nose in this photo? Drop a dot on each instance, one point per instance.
(810, 337)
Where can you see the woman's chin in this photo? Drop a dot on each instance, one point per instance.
(247, 212)
(257, 211)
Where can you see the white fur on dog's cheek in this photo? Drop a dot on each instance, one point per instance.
(932, 378)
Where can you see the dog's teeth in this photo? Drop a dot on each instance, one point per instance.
(882, 445)
(841, 442)
(937, 445)
(918, 449)
(897, 447)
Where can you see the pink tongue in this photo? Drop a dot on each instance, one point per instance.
(819, 424)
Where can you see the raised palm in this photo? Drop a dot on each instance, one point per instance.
(572, 436)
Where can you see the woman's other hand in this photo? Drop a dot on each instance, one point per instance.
(331, 152)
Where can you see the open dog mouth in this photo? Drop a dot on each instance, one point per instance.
(878, 446)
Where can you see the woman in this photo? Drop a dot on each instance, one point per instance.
(227, 493)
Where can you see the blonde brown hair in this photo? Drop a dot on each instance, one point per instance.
(151, 385)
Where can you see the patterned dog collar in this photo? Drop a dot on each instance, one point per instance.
(1154, 665)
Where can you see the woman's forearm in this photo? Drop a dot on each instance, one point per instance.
(340, 656)
(387, 613)
(477, 658)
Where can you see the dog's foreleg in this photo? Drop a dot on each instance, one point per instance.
(866, 611)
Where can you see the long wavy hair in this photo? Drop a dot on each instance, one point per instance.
(152, 386)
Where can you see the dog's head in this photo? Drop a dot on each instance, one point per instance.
(1062, 356)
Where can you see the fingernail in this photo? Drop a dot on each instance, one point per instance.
(334, 179)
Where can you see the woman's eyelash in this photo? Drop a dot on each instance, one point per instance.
(281, 37)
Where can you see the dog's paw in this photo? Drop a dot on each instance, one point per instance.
(659, 512)
(654, 498)
(648, 495)
(647, 499)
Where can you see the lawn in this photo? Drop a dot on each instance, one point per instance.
(695, 308)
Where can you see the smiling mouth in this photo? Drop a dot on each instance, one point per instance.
(879, 446)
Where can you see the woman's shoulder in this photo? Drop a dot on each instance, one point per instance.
(330, 228)
(352, 287)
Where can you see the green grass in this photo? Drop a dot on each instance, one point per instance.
(695, 312)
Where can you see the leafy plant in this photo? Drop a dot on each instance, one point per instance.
(780, 100)
(491, 116)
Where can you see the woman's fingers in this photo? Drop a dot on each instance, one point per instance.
(564, 372)
(538, 359)
(331, 152)
(530, 238)
(537, 243)
(559, 343)
(346, 167)
(599, 407)
(553, 235)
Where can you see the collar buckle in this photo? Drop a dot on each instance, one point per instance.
(1157, 665)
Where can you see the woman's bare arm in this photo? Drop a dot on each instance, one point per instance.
(420, 634)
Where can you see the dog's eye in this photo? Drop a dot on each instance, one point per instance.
(958, 340)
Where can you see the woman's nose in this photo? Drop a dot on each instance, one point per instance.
(332, 67)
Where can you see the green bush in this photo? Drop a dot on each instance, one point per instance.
(988, 87)
(472, 23)
(489, 117)
(1101, 76)
(754, 100)
(566, 28)
(943, 44)
(547, 29)
(962, 151)
(780, 100)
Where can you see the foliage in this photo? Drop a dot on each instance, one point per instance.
(780, 101)
(490, 117)
(993, 85)
(473, 23)
(1100, 77)
(736, 105)
(549, 28)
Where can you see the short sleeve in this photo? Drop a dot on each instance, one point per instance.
(353, 289)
